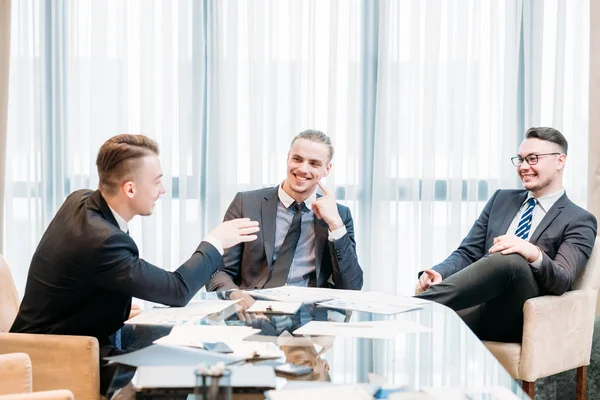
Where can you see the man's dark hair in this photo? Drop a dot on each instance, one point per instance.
(120, 157)
(550, 135)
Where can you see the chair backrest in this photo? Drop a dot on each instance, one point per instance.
(590, 276)
(9, 297)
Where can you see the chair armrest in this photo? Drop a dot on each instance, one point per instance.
(15, 373)
(59, 361)
(557, 333)
(48, 395)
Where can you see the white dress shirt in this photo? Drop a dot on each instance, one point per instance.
(543, 204)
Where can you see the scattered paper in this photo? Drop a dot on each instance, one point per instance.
(346, 392)
(191, 313)
(232, 336)
(372, 307)
(243, 376)
(197, 335)
(413, 396)
(255, 350)
(481, 393)
(274, 307)
(368, 329)
(157, 355)
(295, 294)
(373, 302)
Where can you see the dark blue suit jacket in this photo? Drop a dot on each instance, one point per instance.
(565, 236)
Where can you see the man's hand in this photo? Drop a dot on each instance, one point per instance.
(232, 232)
(245, 299)
(325, 208)
(428, 278)
(508, 244)
(135, 310)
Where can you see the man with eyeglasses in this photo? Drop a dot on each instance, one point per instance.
(526, 243)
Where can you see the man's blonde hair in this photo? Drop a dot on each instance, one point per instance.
(315, 136)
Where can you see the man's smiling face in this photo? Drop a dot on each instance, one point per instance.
(307, 163)
(546, 176)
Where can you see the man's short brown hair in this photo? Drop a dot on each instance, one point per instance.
(120, 157)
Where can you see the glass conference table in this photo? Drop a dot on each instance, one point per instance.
(448, 356)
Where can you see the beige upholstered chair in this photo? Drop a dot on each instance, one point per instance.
(59, 361)
(557, 333)
(15, 380)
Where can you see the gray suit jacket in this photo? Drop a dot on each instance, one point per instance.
(565, 236)
(246, 265)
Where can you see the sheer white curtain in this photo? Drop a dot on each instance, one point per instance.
(425, 102)
(222, 86)
(459, 82)
(83, 71)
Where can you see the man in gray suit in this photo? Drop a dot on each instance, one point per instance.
(305, 239)
(525, 243)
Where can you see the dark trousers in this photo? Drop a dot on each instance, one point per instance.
(489, 295)
(113, 376)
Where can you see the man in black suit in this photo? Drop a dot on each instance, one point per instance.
(87, 268)
(525, 243)
(305, 239)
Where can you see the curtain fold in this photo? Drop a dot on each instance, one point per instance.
(593, 180)
(425, 103)
(593, 192)
(4, 68)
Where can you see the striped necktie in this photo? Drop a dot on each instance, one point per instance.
(525, 223)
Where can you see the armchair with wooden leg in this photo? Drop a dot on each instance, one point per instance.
(557, 333)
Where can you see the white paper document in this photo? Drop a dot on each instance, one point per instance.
(274, 307)
(191, 313)
(367, 329)
(232, 336)
(375, 307)
(250, 350)
(197, 335)
(295, 294)
(456, 393)
(373, 302)
(346, 392)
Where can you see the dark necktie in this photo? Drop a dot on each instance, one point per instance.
(282, 265)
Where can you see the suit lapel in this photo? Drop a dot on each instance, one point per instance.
(510, 210)
(552, 213)
(321, 233)
(268, 215)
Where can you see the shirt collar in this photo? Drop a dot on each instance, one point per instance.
(122, 223)
(547, 201)
(287, 200)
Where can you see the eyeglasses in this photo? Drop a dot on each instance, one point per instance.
(531, 159)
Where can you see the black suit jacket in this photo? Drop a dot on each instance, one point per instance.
(565, 236)
(246, 265)
(85, 271)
